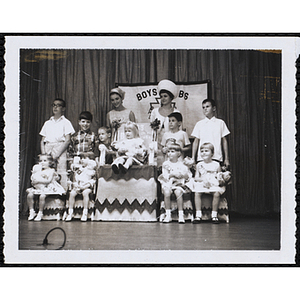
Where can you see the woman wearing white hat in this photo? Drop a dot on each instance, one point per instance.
(119, 115)
(167, 91)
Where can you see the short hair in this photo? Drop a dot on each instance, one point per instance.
(209, 146)
(176, 115)
(134, 126)
(167, 92)
(61, 100)
(86, 115)
(106, 128)
(49, 157)
(211, 101)
(175, 147)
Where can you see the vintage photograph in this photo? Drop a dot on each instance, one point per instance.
(150, 150)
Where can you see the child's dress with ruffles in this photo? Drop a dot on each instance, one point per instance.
(39, 174)
(208, 174)
(170, 173)
(135, 148)
(83, 175)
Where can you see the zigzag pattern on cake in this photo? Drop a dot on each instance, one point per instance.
(53, 211)
(135, 189)
(135, 205)
(78, 210)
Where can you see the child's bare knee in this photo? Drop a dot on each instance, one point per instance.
(86, 192)
(178, 193)
(167, 191)
(42, 196)
(73, 193)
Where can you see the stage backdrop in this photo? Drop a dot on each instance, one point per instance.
(141, 99)
(245, 83)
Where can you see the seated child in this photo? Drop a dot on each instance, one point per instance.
(130, 150)
(104, 136)
(174, 177)
(83, 171)
(206, 181)
(44, 182)
(176, 135)
(84, 140)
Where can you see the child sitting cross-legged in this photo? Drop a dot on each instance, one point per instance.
(83, 181)
(175, 175)
(207, 181)
(130, 150)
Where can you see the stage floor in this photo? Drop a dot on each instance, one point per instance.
(239, 234)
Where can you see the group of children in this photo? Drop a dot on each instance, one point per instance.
(69, 160)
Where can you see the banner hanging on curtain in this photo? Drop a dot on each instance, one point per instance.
(141, 99)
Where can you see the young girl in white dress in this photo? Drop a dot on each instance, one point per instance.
(206, 181)
(44, 182)
(175, 175)
(119, 115)
(131, 150)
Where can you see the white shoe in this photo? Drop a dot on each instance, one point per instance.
(161, 217)
(39, 216)
(64, 216)
(83, 218)
(181, 220)
(69, 217)
(58, 217)
(32, 215)
(167, 219)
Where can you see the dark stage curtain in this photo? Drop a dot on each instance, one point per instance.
(245, 83)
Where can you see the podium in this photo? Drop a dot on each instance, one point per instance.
(126, 197)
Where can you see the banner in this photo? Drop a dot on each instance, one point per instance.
(141, 99)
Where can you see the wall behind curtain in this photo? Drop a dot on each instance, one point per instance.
(245, 83)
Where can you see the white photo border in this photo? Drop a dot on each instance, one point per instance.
(290, 48)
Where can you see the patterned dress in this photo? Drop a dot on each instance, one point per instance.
(171, 176)
(208, 173)
(38, 176)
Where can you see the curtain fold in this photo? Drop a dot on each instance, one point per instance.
(245, 83)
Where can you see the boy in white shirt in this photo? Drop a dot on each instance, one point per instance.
(213, 130)
(56, 134)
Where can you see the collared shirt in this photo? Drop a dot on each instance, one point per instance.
(55, 131)
(82, 142)
(211, 130)
(181, 138)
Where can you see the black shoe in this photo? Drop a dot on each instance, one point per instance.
(115, 169)
(122, 169)
(197, 220)
(215, 220)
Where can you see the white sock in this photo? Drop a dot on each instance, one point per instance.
(70, 211)
(214, 214)
(180, 213)
(168, 212)
(85, 211)
(198, 214)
